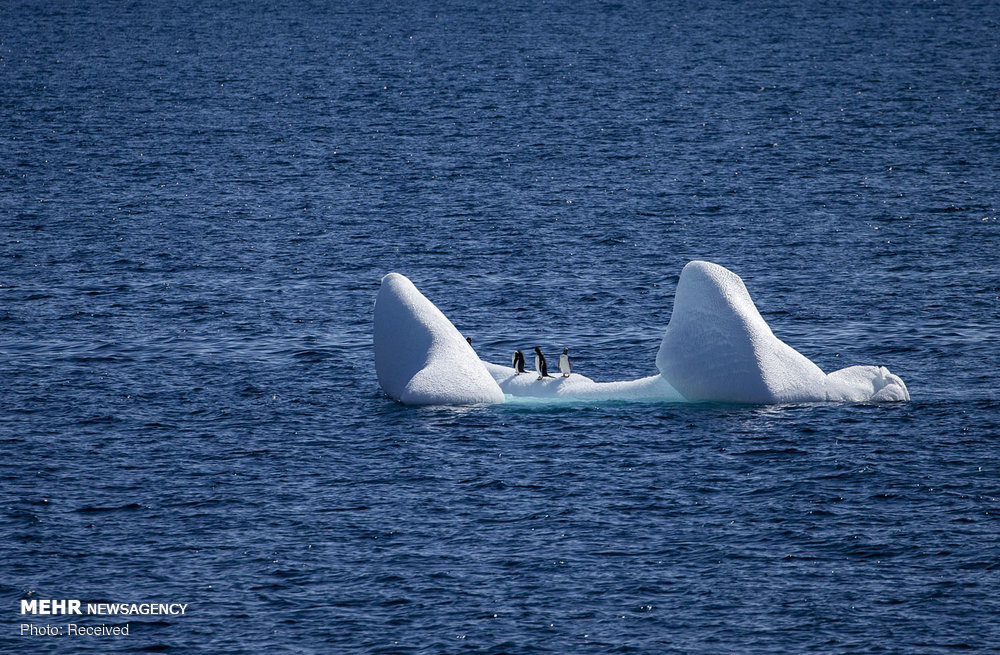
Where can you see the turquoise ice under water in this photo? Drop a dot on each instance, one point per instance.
(198, 205)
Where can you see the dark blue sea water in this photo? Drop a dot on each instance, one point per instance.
(198, 201)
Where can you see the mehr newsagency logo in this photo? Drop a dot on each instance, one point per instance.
(73, 607)
(67, 606)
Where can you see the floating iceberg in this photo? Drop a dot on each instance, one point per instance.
(420, 357)
(717, 348)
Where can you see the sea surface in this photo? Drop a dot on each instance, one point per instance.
(197, 204)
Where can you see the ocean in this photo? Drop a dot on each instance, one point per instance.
(198, 203)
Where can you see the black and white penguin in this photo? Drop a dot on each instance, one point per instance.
(540, 366)
(469, 339)
(518, 362)
(564, 363)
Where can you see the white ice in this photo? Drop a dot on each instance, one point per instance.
(580, 387)
(716, 348)
(420, 357)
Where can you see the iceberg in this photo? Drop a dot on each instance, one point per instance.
(716, 348)
(420, 356)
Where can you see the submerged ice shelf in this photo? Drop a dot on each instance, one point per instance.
(716, 348)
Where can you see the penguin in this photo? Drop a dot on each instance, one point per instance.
(469, 339)
(540, 366)
(518, 362)
(564, 363)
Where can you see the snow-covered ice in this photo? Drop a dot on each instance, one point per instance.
(865, 383)
(716, 348)
(580, 387)
(420, 357)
